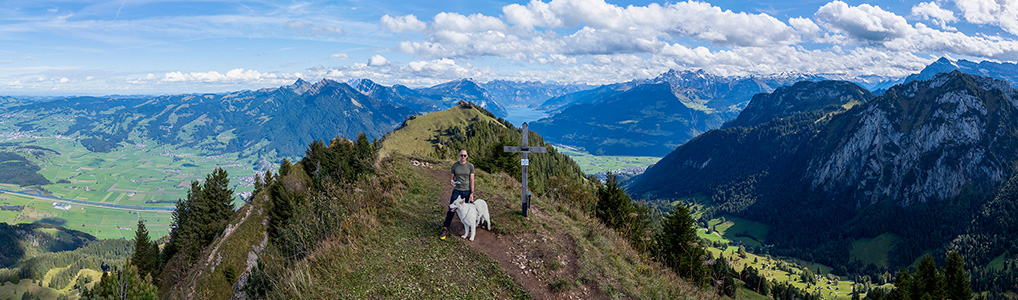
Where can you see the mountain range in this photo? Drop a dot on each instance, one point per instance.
(651, 117)
(273, 121)
(912, 162)
(528, 93)
(279, 120)
(1000, 70)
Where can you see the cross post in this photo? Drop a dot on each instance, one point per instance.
(525, 161)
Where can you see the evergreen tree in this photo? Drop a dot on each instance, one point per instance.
(123, 284)
(285, 167)
(808, 277)
(722, 276)
(146, 253)
(201, 217)
(957, 283)
(613, 204)
(258, 283)
(929, 281)
(679, 248)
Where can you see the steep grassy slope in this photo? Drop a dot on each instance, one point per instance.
(418, 136)
(385, 244)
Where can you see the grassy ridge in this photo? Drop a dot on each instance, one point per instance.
(418, 135)
(395, 253)
(386, 243)
(424, 267)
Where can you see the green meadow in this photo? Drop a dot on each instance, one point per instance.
(873, 250)
(748, 232)
(774, 268)
(141, 174)
(591, 164)
(101, 222)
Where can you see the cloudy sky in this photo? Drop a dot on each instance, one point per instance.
(183, 46)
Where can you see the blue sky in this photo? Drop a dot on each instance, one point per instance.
(165, 47)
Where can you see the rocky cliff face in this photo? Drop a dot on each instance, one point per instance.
(915, 162)
(922, 141)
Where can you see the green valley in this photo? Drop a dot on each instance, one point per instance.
(139, 175)
(591, 163)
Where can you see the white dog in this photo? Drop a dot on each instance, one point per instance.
(471, 215)
(468, 216)
(482, 212)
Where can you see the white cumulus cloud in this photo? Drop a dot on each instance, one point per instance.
(339, 56)
(1003, 13)
(932, 12)
(864, 22)
(403, 23)
(234, 75)
(377, 60)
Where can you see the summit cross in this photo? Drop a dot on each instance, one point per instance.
(525, 161)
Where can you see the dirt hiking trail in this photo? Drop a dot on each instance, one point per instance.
(519, 254)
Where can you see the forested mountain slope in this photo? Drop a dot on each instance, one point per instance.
(279, 120)
(651, 117)
(914, 162)
(803, 96)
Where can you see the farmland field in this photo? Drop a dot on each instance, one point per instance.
(591, 164)
(139, 174)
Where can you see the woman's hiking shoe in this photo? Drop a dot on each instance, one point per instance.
(445, 232)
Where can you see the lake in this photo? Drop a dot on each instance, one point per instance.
(518, 115)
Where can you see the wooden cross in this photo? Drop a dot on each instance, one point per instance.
(524, 162)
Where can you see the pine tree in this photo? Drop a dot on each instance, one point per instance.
(285, 167)
(123, 284)
(679, 248)
(958, 287)
(930, 281)
(613, 205)
(146, 253)
(201, 217)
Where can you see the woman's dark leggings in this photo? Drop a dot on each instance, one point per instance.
(449, 213)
